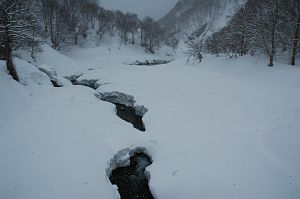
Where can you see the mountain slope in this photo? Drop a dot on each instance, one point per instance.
(200, 17)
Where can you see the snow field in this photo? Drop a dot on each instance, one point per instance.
(220, 129)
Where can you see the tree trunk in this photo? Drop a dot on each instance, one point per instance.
(52, 33)
(273, 45)
(142, 37)
(9, 61)
(295, 43)
(76, 39)
(271, 60)
(242, 50)
(12, 70)
(132, 38)
(8, 54)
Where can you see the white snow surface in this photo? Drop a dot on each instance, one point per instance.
(220, 129)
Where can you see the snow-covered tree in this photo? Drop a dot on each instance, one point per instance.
(266, 27)
(195, 50)
(18, 29)
(260, 26)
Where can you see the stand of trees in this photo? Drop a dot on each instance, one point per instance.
(151, 34)
(271, 27)
(27, 23)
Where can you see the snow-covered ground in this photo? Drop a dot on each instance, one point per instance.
(219, 129)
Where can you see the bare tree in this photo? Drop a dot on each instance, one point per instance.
(55, 20)
(133, 23)
(127, 25)
(91, 11)
(151, 35)
(266, 27)
(77, 20)
(105, 24)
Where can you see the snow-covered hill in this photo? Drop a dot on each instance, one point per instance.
(201, 17)
(219, 129)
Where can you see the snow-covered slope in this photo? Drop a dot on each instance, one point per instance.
(200, 17)
(220, 129)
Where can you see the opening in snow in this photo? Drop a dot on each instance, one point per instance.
(55, 83)
(128, 171)
(129, 115)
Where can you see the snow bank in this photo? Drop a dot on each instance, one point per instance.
(58, 62)
(29, 74)
(118, 98)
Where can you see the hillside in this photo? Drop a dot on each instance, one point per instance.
(201, 17)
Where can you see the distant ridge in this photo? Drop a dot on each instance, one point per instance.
(200, 17)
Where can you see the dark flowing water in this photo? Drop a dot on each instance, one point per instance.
(132, 180)
(129, 115)
(55, 84)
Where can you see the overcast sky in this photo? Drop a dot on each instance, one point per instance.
(153, 8)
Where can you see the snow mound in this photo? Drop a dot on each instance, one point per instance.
(92, 83)
(118, 98)
(52, 75)
(123, 99)
(140, 110)
(29, 74)
(122, 158)
(56, 61)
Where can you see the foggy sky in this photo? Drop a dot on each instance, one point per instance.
(153, 8)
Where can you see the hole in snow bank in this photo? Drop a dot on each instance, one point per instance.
(56, 83)
(150, 62)
(128, 171)
(125, 108)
